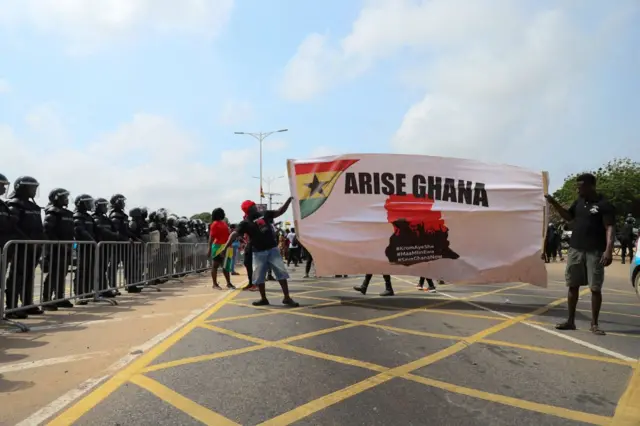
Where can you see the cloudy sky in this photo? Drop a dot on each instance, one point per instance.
(142, 97)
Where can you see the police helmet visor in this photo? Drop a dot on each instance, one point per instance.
(63, 197)
(101, 206)
(32, 190)
(88, 203)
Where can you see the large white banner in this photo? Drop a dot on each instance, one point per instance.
(442, 218)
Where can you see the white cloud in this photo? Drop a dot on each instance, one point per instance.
(88, 24)
(149, 159)
(45, 121)
(4, 86)
(498, 76)
(236, 112)
(325, 151)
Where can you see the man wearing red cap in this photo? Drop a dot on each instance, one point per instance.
(264, 245)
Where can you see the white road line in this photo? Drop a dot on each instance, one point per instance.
(575, 340)
(20, 366)
(59, 404)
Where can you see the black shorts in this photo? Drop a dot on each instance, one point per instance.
(218, 259)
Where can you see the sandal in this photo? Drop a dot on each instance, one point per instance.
(565, 326)
(596, 330)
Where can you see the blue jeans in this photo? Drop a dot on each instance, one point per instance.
(263, 260)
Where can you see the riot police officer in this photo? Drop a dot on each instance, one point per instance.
(58, 227)
(124, 254)
(140, 232)
(104, 232)
(7, 222)
(85, 230)
(160, 259)
(24, 257)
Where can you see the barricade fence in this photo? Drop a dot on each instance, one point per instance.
(56, 274)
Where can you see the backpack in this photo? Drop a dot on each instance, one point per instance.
(295, 241)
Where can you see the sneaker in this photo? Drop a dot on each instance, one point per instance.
(431, 290)
(261, 302)
(387, 293)
(306, 276)
(231, 287)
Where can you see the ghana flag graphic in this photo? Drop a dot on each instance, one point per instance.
(315, 181)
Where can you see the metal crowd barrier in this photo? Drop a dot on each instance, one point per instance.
(53, 274)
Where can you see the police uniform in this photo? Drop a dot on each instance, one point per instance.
(58, 226)
(23, 261)
(104, 231)
(85, 230)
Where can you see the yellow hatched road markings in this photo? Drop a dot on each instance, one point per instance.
(318, 404)
(80, 408)
(566, 413)
(628, 409)
(183, 404)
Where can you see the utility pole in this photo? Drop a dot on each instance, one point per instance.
(270, 196)
(260, 137)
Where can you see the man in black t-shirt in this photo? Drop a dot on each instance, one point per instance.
(590, 247)
(264, 245)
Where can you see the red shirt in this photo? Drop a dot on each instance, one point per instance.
(219, 232)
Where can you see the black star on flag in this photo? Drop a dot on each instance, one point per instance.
(315, 186)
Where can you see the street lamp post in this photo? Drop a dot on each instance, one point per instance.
(260, 137)
(269, 180)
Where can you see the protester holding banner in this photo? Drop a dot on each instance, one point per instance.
(221, 254)
(590, 247)
(264, 244)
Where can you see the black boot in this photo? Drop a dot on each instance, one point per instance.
(388, 289)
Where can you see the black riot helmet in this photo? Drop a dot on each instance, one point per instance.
(162, 215)
(153, 217)
(4, 184)
(101, 206)
(118, 201)
(145, 212)
(135, 213)
(183, 223)
(84, 203)
(59, 197)
(25, 186)
(172, 220)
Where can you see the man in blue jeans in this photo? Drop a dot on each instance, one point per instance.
(264, 245)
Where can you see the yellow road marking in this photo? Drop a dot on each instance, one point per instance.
(81, 407)
(514, 402)
(201, 358)
(628, 410)
(557, 352)
(183, 404)
(240, 317)
(340, 395)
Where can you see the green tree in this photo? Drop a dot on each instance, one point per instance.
(204, 216)
(618, 180)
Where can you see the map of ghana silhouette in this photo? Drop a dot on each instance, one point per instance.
(419, 233)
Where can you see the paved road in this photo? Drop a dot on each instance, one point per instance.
(468, 355)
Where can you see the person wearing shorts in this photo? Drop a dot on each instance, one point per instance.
(258, 226)
(218, 236)
(590, 248)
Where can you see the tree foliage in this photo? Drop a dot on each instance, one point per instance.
(618, 181)
(204, 216)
